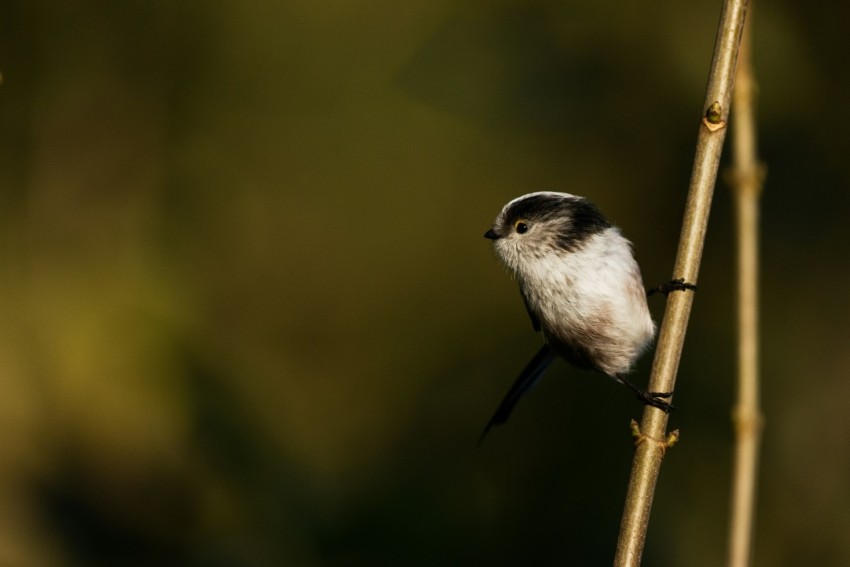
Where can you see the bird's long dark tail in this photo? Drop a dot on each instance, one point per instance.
(527, 379)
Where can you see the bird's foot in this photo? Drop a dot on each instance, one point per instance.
(673, 285)
(656, 400)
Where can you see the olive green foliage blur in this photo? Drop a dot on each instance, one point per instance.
(249, 318)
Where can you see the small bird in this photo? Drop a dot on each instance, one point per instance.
(582, 289)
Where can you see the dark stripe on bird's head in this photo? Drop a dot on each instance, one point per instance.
(587, 220)
(581, 218)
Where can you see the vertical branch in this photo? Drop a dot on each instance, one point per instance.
(651, 439)
(746, 178)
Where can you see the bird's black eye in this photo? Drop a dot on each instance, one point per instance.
(521, 227)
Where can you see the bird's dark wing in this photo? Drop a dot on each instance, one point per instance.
(527, 378)
(535, 321)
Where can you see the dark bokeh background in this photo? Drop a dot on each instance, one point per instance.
(248, 317)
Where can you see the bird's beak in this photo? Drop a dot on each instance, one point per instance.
(491, 234)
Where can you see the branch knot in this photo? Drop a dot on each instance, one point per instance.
(640, 437)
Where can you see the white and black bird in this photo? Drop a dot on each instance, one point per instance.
(582, 288)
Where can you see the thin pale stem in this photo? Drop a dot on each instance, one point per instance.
(650, 451)
(746, 179)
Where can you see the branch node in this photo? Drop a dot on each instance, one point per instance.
(714, 113)
(672, 438)
(640, 437)
(750, 178)
(712, 126)
(746, 422)
(713, 117)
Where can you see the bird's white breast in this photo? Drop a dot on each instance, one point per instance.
(595, 289)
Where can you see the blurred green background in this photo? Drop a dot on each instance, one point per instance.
(249, 318)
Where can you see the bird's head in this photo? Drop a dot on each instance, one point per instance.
(535, 226)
